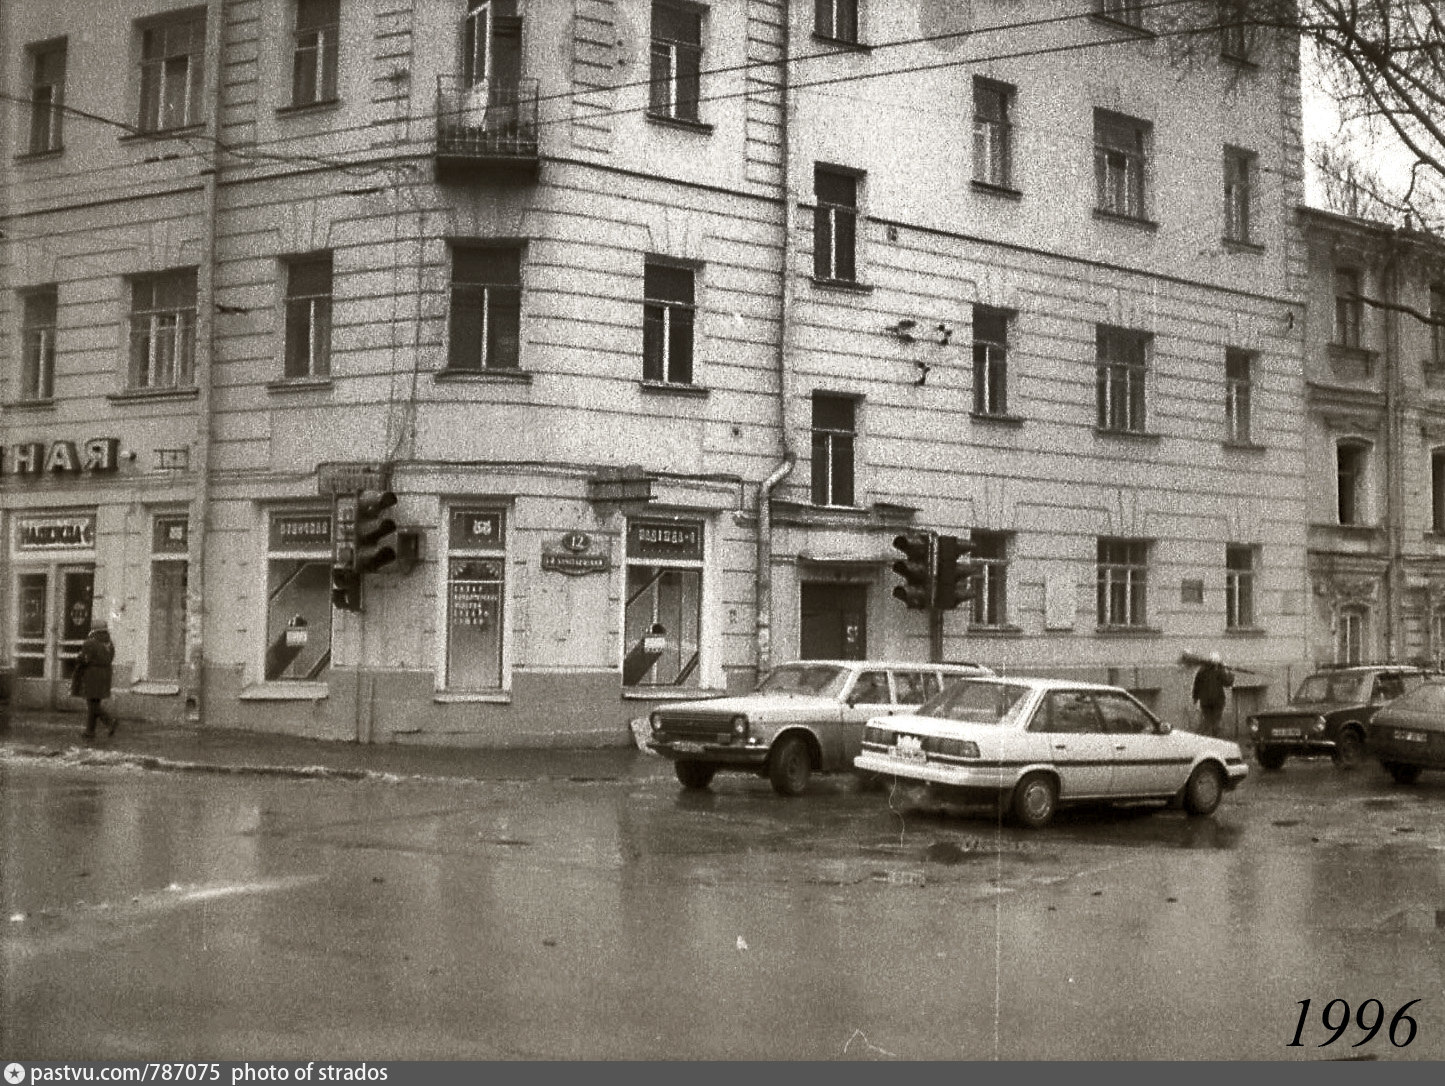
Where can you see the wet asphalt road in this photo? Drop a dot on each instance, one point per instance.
(151, 914)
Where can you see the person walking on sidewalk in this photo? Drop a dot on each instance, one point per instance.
(91, 678)
(1210, 683)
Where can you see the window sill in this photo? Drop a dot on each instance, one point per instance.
(1235, 245)
(1236, 61)
(1136, 29)
(1103, 214)
(300, 690)
(483, 377)
(144, 395)
(155, 689)
(298, 384)
(670, 388)
(1128, 435)
(476, 697)
(31, 405)
(851, 286)
(1351, 363)
(1244, 446)
(997, 420)
(1245, 632)
(681, 123)
(1003, 192)
(326, 105)
(38, 156)
(163, 134)
(842, 43)
(979, 629)
(1128, 631)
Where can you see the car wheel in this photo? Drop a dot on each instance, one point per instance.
(1403, 773)
(1035, 800)
(1349, 749)
(790, 766)
(1270, 759)
(694, 774)
(1204, 790)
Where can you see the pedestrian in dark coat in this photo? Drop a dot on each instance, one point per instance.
(1211, 682)
(91, 679)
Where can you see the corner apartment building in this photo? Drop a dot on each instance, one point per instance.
(662, 320)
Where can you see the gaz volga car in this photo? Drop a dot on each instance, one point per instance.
(804, 717)
(1033, 744)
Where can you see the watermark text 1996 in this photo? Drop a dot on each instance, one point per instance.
(1369, 1018)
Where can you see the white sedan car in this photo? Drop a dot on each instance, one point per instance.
(1033, 744)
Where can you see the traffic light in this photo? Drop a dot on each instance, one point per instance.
(916, 569)
(375, 531)
(345, 588)
(954, 581)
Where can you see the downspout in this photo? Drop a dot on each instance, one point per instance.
(1394, 455)
(205, 362)
(764, 618)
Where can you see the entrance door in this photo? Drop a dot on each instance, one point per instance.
(77, 590)
(52, 618)
(834, 622)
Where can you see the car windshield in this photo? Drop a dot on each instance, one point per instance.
(823, 679)
(1429, 698)
(1322, 688)
(976, 702)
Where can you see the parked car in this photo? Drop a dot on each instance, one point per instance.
(804, 717)
(1329, 713)
(1408, 735)
(1032, 744)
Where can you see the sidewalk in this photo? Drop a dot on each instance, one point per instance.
(196, 749)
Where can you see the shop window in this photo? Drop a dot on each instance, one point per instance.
(662, 635)
(298, 597)
(476, 598)
(170, 546)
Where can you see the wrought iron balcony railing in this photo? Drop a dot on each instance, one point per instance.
(487, 123)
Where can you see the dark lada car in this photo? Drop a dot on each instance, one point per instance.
(1408, 735)
(1329, 713)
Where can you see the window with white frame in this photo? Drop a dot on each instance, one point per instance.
(166, 640)
(834, 434)
(1121, 164)
(172, 72)
(476, 598)
(38, 316)
(47, 96)
(486, 310)
(1239, 170)
(993, 132)
(1123, 582)
(662, 623)
(1351, 635)
(668, 323)
(1238, 394)
(676, 60)
(990, 360)
(1437, 326)
(835, 224)
(163, 330)
(989, 606)
(1122, 365)
(298, 596)
(1349, 309)
(314, 52)
(1437, 491)
(1239, 575)
(1351, 463)
(836, 20)
(308, 316)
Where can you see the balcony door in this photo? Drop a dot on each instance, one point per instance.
(491, 61)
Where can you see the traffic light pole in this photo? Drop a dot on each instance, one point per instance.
(935, 635)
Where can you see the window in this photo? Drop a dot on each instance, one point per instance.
(486, 316)
(1123, 578)
(1070, 712)
(47, 96)
(298, 596)
(667, 324)
(476, 579)
(37, 343)
(836, 19)
(1122, 364)
(313, 62)
(492, 47)
(1236, 36)
(1129, 12)
(1238, 366)
(835, 224)
(1437, 328)
(993, 133)
(308, 317)
(1437, 491)
(163, 330)
(1348, 307)
(833, 436)
(1238, 586)
(1351, 631)
(663, 621)
(166, 643)
(1350, 463)
(676, 61)
(990, 361)
(1121, 164)
(1239, 167)
(989, 606)
(171, 73)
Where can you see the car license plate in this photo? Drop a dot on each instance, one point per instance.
(1411, 737)
(1284, 733)
(686, 746)
(911, 755)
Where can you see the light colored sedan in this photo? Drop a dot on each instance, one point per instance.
(1033, 744)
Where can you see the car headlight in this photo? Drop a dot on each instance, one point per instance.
(1253, 726)
(740, 725)
(1319, 725)
(655, 720)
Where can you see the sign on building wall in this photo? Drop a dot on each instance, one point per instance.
(301, 531)
(574, 556)
(671, 540)
(60, 457)
(56, 533)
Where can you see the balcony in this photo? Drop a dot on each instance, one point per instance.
(486, 131)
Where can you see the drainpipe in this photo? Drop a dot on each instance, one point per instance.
(764, 618)
(1394, 455)
(205, 362)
